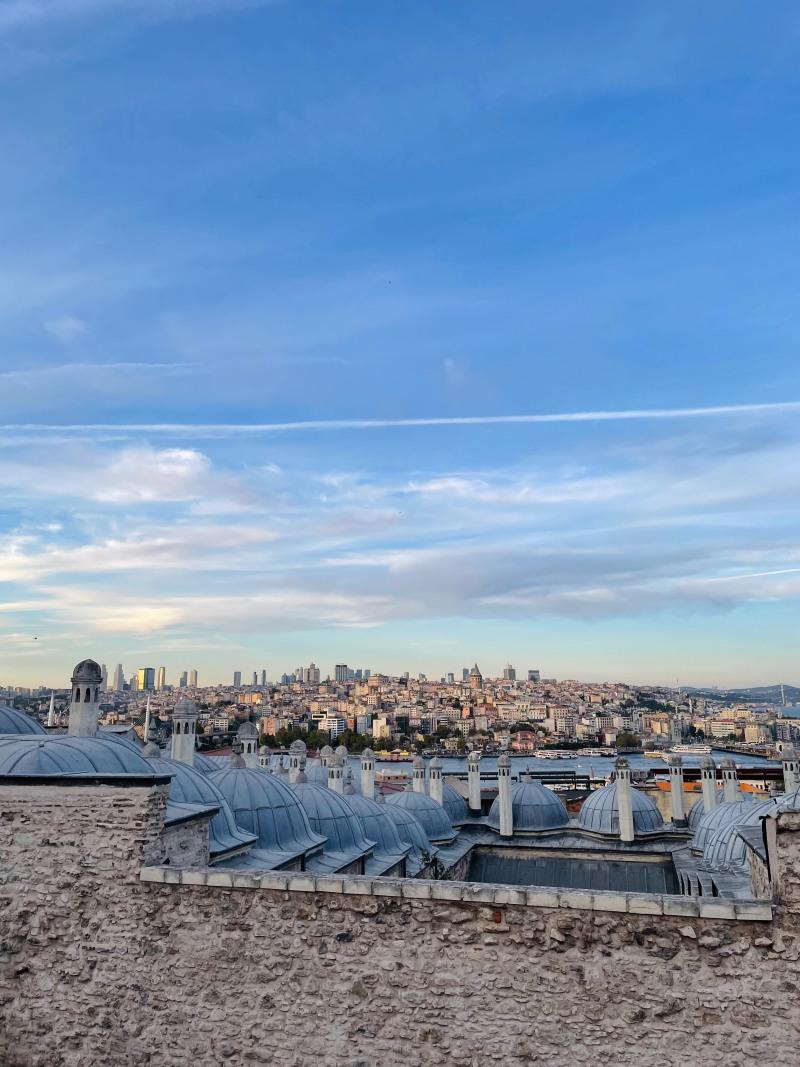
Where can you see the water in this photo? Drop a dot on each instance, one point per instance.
(596, 766)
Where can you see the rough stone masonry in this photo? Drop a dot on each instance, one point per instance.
(101, 967)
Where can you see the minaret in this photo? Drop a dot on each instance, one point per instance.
(676, 787)
(730, 783)
(419, 775)
(708, 776)
(791, 770)
(297, 760)
(184, 725)
(85, 705)
(474, 778)
(336, 774)
(147, 719)
(504, 793)
(368, 773)
(51, 712)
(624, 799)
(435, 789)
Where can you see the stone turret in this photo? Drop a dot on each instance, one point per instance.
(297, 760)
(436, 785)
(248, 735)
(237, 759)
(474, 779)
(336, 774)
(504, 794)
(730, 782)
(184, 726)
(147, 719)
(624, 799)
(368, 773)
(51, 712)
(325, 755)
(791, 769)
(708, 780)
(85, 705)
(419, 774)
(677, 794)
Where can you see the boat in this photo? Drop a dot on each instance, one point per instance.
(651, 754)
(691, 750)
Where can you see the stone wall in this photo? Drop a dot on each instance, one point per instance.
(100, 967)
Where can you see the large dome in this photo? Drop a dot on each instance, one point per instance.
(600, 812)
(432, 816)
(61, 755)
(725, 849)
(189, 786)
(698, 809)
(13, 721)
(331, 815)
(377, 825)
(265, 806)
(533, 808)
(729, 812)
(454, 804)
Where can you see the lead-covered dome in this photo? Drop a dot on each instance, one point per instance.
(454, 804)
(725, 849)
(432, 816)
(247, 731)
(13, 721)
(377, 825)
(266, 807)
(88, 671)
(698, 809)
(533, 807)
(731, 811)
(62, 756)
(331, 816)
(188, 786)
(600, 812)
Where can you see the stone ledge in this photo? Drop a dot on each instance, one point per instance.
(466, 892)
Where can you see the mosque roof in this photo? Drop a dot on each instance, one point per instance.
(432, 816)
(190, 786)
(729, 812)
(13, 721)
(533, 807)
(410, 831)
(265, 806)
(454, 804)
(64, 756)
(377, 826)
(600, 812)
(698, 809)
(726, 848)
(332, 816)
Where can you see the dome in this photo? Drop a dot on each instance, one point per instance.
(206, 764)
(731, 811)
(432, 816)
(341, 752)
(265, 806)
(600, 812)
(409, 828)
(13, 721)
(317, 774)
(325, 752)
(331, 815)
(377, 826)
(533, 807)
(247, 731)
(190, 786)
(297, 748)
(88, 671)
(726, 849)
(61, 755)
(698, 810)
(454, 804)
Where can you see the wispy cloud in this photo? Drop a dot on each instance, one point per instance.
(85, 372)
(244, 429)
(67, 329)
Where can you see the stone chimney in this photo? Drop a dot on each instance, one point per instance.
(708, 779)
(677, 794)
(419, 774)
(624, 799)
(368, 773)
(730, 783)
(791, 770)
(336, 774)
(85, 704)
(184, 726)
(435, 789)
(474, 779)
(297, 760)
(504, 793)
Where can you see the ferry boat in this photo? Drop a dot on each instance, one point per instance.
(653, 754)
(691, 750)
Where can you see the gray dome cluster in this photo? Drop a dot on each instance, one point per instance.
(331, 816)
(726, 849)
(13, 721)
(533, 807)
(722, 815)
(600, 812)
(431, 816)
(698, 809)
(62, 755)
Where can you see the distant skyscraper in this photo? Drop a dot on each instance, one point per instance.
(340, 673)
(103, 677)
(263, 677)
(193, 679)
(146, 679)
(237, 678)
(183, 680)
(509, 674)
(533, 676)
(161, 681)
(255, 677)
(118, 679)
(451, 678)
(465, 674)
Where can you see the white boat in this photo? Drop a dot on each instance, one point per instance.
(691, 750)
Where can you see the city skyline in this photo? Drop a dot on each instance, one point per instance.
(324, 337)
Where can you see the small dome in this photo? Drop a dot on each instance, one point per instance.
(368, 754)
(184, 707)
(725, 849)
(60, 754)
(454, 804)
(377, 825)
(409, 828)
(533, 807)
(247, 731)
(432, 816)
(600, 812)
(325, 752)
(265, 806)
(88, 671)
(13, 721)
(190, 786)
(729, 812)
(263, 750)
(331, 815)
(297, 747)
(341, 752)
(698, 810)
(206, 764)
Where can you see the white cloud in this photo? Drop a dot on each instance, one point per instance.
(67, 329)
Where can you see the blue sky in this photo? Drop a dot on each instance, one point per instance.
(258, 260)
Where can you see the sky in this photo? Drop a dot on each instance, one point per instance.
(406, 335)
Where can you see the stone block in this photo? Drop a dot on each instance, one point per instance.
(415, 890)
(610, 901)
(446, 891)
(151, 874)
(329, 884)
(483, 894)
(641, 904)
(274, 880)
(541, 898)
(754, 910)
(357, 886)
(194, 877)
(301, 883)
(220, 879)
(509, 895)
(684, 906)
(387, 887)
(576, 898)
(717, 909)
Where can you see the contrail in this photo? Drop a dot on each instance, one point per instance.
(179, 429)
